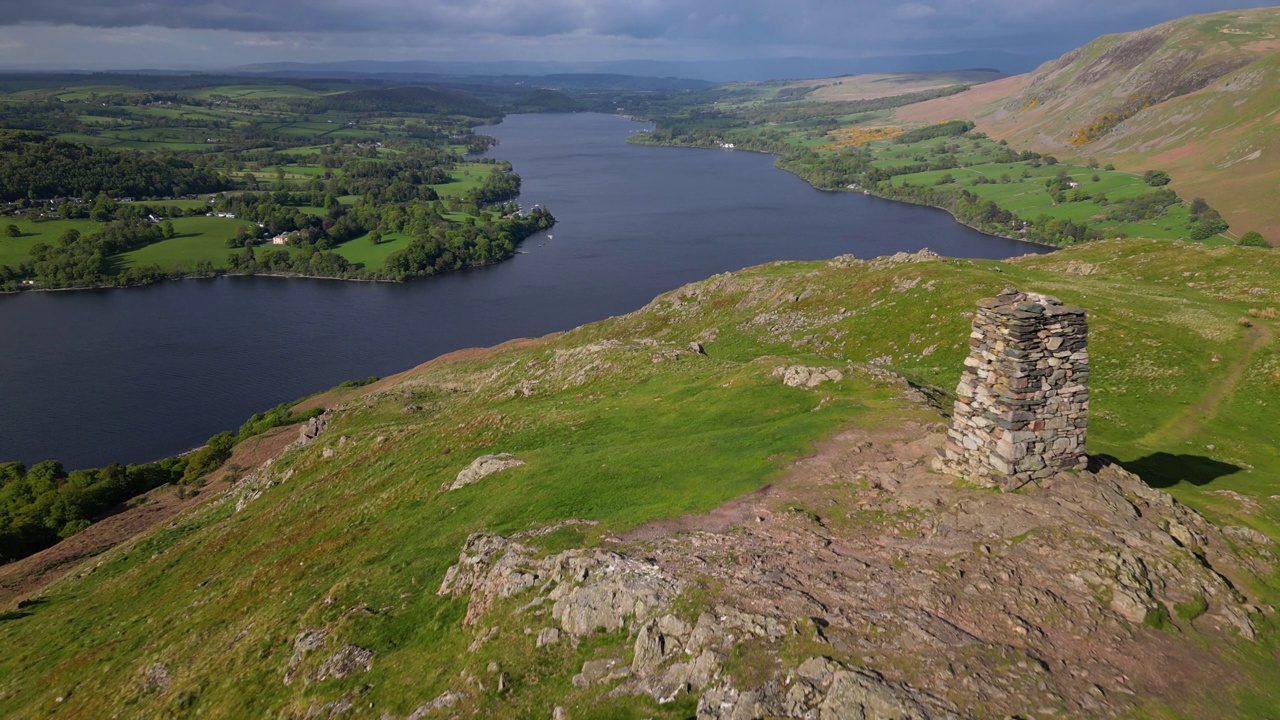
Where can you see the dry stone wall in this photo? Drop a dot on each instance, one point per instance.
(1022, 405)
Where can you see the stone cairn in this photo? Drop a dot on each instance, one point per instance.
(1023, 401)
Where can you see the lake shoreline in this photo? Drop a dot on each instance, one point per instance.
(197, 277)
(281, 275)
(865, 191)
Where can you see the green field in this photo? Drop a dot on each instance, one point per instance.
(184, 204)
(265, 91)
(1028, 198)
(359, 250)
(13, 250)
(467, 177)
(198, 238)
(1020, 187)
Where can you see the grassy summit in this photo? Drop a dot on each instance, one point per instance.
(620, 423)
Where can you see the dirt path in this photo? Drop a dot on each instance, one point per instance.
(1186, 423)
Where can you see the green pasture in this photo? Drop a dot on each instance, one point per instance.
(355, 133)
(1019, 187)
(94, 140)
(304, 151)
(466, 177)
(78, 93)
(163, 145)
(309, 171)
(198, 238)
(1028, 198)
(184, 204)
(98, 120)
(13, 250)
(253, 92)
(362, 252)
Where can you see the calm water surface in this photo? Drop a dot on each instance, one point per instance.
(133, 375)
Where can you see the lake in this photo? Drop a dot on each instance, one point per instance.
(132, 375)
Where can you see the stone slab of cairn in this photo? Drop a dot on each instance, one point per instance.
(1022, 404)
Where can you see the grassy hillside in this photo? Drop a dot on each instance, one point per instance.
(619, 423)
(1197, 97)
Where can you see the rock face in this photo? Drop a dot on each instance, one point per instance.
(481, 468)
(311, 429)
(1022, 404)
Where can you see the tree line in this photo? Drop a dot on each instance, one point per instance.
(37, 167)
(45, 503)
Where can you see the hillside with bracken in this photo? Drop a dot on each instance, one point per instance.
(1198, 97)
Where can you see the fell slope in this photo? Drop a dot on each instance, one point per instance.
(1198, 97)
(343, 579)
(878, 85)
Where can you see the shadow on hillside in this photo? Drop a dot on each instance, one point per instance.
(1163, 470)
(24, 610)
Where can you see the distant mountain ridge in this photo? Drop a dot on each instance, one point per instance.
(706, 70)
(1198, 97)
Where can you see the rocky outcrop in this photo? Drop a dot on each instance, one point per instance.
(587, 590)
(346, 661)
(441, 702)
(250, 487)
(1247, 534)
(901, 258)
(156, 677)
(481, 468)
(303, 643)
(349, 660)
(311, 429)
(807, 377)
(591, 591)
(825, 690)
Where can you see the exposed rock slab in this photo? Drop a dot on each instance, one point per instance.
(807, 377)
(481, 468)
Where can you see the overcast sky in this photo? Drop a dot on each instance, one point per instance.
(180, 34)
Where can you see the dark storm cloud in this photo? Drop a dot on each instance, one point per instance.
(765, 27)
(503, 17)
